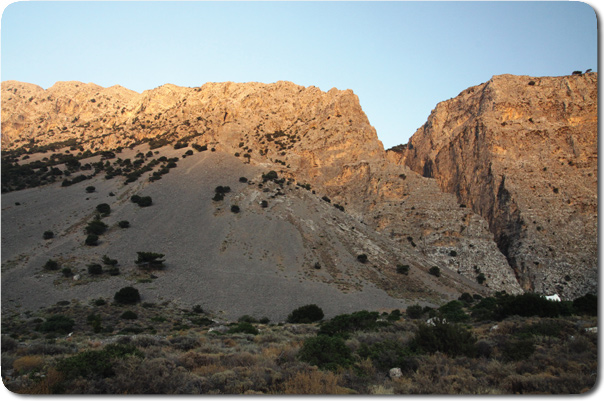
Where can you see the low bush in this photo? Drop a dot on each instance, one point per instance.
(145, 201)
(59, 324)
(123, 224)
(306, 314)
(96, 227)
(92, 364)
(402, 269)
(528, 304)
(104, 209)
(127, 295)
(150, 260)
(343, 324)
(362, 258)
(586, 304)
(51, 265)
(244, 327)
(108, 261)
(435, 271)
(414, 311)
(453, 312)
(95, 269)
(92, 240)
(48, 235)
(517, 349)
(129, 315)
(388, 354)
(447, 338)
(326, 352)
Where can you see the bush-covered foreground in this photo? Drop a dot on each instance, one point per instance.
(469, 346)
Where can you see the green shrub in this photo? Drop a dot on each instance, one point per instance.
(435, 271)
(90, 189)
(218, 197)
(306, 314)
(124, 224)
(325, 352)
(402, 269)
(528, 304)
(517, 349)
(247, 318)
(51, 265)
(466, 298)
(480, 279)
(362, 258)
(447, 338)
(346, 323)
(586, 305)
(48, 235)
(388, 354)
(145, 201)
(135, 198)
(394, 316)
(93, 364)
(222, 189)
(150, 260)
(414, 311)
(67, 272)
(92, 240)
(108, 261)
(104, 209)
(95, 322)
(270, 176)
(235, 209)
(244, 327)
(114, 271)
(453, 312)
(129, 315)
(95, 269)
(59, 324)
(96, 227)
(127, 295)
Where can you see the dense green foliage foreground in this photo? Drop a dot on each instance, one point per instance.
(497, 345)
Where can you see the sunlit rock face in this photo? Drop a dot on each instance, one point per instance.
(522, 152)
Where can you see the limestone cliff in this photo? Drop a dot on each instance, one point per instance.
(522, 152)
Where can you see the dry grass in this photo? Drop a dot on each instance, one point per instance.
(313, 382)
(28, 363)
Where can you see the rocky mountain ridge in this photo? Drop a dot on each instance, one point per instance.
(317, 138)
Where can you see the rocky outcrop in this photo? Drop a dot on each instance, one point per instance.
(522, 152)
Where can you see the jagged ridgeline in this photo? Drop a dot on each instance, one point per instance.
(264, 197)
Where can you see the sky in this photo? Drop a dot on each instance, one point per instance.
(400, 58)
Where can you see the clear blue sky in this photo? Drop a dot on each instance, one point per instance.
(400, 58)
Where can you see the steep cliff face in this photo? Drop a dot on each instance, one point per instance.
(522, 152)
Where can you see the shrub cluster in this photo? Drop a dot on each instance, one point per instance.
(142, 201)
